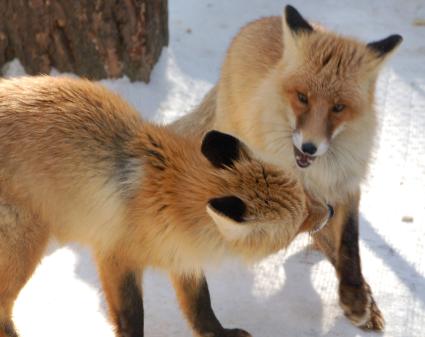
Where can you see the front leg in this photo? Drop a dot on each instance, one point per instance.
(123, 294)
(194, 298)
(340, 243)
(356, 297)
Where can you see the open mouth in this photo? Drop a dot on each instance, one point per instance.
(303, 160)
(320, 226)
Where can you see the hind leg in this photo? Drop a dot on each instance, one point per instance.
(22, 243)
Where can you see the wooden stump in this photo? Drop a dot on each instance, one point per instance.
(91, 38)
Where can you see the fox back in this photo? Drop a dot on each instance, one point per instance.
(81, 159)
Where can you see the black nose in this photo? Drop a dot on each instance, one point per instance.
(309, 148)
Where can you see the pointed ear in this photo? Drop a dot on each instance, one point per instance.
(228, 214)
(295, 22)
(294, 26)
(222, 149)
(384, 47)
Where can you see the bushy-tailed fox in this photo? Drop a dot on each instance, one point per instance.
(77, 163)
(303, 98)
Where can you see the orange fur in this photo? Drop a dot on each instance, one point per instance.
(266, 68)
(257, 101)
(78, 163)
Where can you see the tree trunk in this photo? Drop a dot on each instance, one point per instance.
(91, 38)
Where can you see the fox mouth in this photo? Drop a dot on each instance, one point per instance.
(303, 160)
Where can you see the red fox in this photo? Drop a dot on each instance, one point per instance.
(77, 163)
(303, 98)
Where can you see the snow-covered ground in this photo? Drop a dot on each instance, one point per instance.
(292, 293)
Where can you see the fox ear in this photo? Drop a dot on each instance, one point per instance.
(385, 46)
(295, 22)
(294, 26)
(228, 214)
(222, 149)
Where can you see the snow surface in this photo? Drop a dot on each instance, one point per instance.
(292, 293)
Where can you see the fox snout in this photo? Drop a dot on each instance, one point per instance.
(307, 149)
(308, 145)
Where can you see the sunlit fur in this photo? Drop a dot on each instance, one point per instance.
(257, 99)
(77, 163)
(329, 69)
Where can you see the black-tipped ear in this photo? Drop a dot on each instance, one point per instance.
(220, 148)
(230, 206)
(296, 22)
(383, 47)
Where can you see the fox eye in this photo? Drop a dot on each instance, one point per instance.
(337, 108)
(302, 98)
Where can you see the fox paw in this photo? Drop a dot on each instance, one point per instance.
(235, 333)
(228, 333)
(360, 307)
(8, 330)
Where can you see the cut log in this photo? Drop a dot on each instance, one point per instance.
(91, 38)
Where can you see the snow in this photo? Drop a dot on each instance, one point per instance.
(292, 293)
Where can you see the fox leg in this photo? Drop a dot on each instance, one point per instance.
(123, 293)
(23, 240)
(194, 298)
(340, 243)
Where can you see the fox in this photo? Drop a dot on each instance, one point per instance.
(79, 164)
(302, 97)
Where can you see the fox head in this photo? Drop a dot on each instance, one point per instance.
(328, 81)
(261, 208)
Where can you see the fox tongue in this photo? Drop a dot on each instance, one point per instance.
(303, 160)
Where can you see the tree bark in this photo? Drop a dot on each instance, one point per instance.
(91, 38)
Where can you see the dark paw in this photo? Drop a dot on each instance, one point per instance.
(360, 307)
(376, 321)
(235, 333)
(9, 330)
(227, 333)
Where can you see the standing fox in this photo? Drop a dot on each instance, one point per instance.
(77, 163)
(303, 98)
